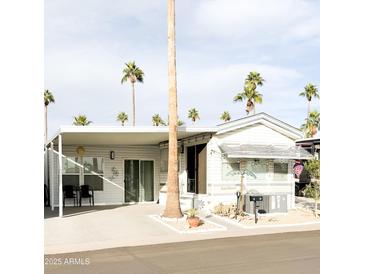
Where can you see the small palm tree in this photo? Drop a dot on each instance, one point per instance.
(312, 124)
(157, 120)
(122, 117)
(193, 115)
(48, 98)
(180, 123)
(133, 74)
(225, 116)
(310, 92)
(81, 120)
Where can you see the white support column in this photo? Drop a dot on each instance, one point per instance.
(51, 177)
(60, 191)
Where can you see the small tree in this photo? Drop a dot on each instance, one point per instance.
(313, 191)
(81, 120)
(193, 114)
(225, 116)
(122, 117)
(313, 169)
(157, 120)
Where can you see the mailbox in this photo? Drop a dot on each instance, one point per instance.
(256, 198)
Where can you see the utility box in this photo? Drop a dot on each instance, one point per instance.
(270, 203)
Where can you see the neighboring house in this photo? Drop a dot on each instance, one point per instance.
(312, 145)
(129, 164)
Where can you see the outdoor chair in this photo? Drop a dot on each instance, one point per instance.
(86, 191)
(69, 192)
(46, 196)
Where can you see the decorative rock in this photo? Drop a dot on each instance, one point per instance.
(232, 216)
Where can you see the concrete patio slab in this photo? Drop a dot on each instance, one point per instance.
(100, 227)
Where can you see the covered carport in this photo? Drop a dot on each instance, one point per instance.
(104, 136)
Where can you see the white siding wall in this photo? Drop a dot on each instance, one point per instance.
(224, 191)
(113, 194)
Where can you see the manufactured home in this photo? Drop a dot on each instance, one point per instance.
(129, 164)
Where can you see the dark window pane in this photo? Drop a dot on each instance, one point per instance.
(94, 181)
(72, 180)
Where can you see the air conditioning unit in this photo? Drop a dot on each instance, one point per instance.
(271, 203)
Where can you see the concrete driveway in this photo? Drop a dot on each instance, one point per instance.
(100, 227)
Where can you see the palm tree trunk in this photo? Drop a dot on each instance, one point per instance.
(309, 108)
(134, 105)
(172, 209)
(45, 125)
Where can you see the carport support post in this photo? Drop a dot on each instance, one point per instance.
(60, 191)
(51, 177)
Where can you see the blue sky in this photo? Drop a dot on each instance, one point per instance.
(219, 42)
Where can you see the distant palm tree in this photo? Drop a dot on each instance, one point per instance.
(133, 74)
(310, 92)
(172, 208)
(48, 98)
(180, 123)
(122, 117)
(254, 78)
(157, 120)
(81, 120)
(250, 94)
(193, 115)
(312, 124)
(225, 116)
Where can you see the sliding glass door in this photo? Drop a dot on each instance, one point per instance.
(138, 180)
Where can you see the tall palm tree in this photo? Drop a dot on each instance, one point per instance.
(172, 209)
(48, 98)
(157, 120)
(122, 117)
(81, 120)
(225, 116)
(310, 92)
(254, 78)
(251, 96)
(312, 124)
(193, 115)
(133, 74)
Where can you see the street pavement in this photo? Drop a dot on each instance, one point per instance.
(282, 253)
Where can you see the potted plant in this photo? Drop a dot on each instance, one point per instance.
(193, 219)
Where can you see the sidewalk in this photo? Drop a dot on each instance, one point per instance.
(100, 227)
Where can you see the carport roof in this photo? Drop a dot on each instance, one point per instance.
(116, 135)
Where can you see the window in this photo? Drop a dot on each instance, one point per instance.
(231, 171)
(164, 159)
(280, 171)
(259, 167)
(93, 172)
(70, 172)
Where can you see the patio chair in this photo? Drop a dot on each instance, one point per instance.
(69, 192)
(86, 191)
(46, 196)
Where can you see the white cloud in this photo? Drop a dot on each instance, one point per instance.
(260, 20)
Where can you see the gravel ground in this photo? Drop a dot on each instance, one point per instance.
(292, 217)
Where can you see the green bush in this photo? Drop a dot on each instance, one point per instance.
(313, 168)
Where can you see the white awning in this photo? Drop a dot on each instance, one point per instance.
(264, 151)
